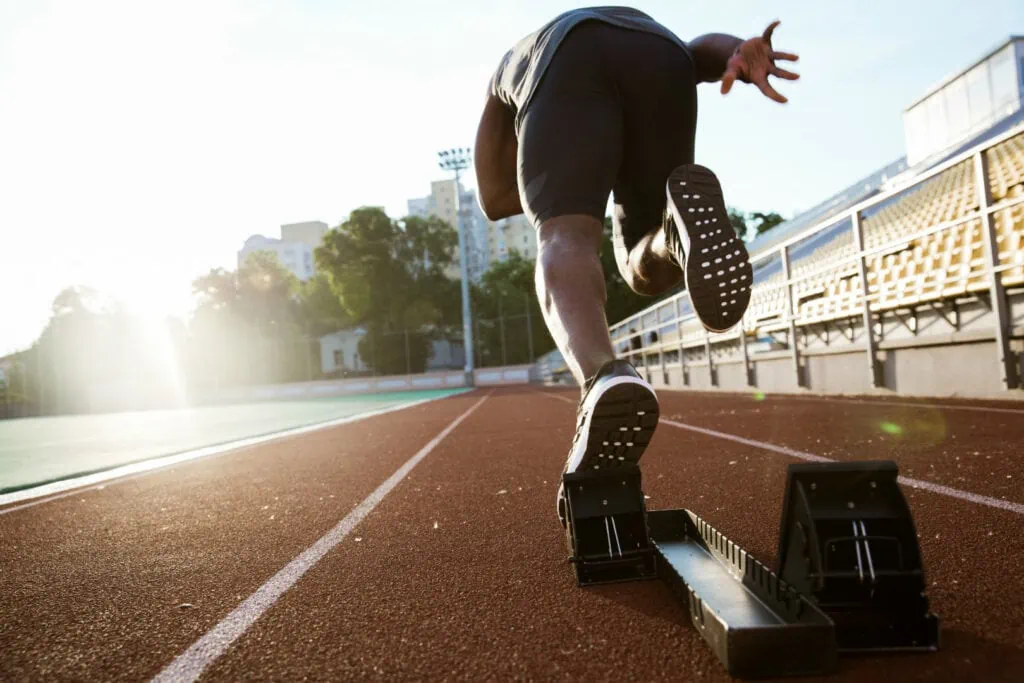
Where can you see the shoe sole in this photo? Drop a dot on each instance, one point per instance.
(618, 428)
(717, 267)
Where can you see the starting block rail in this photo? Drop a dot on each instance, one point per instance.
(757, 625)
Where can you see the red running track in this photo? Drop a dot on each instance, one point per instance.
(458, 569)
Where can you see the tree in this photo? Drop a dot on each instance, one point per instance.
(249, 325)
(389, 278)
(267, 292)
(217, 290)
(766, 221)
(320, 307)
(739, 222)
(262, 292)
(95, 356)
(508, 315)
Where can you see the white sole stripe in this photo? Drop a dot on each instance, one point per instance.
(976, 498)
(122, 473)
(189, 665)
(588, 406)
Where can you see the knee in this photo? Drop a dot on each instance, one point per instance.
(566, 243)
(568, 258)
(647, 274)
(555, 254)
(639, 284)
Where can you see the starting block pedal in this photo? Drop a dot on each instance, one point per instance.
(758, 626)
(847, 541)
(606, 526)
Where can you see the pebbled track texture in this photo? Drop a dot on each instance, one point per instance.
(717, 266)
(459, 574)
(624, 421)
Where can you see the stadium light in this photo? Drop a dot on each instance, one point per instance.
(456, 161)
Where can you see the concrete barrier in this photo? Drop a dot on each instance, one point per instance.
(448, 379)
(512, 374)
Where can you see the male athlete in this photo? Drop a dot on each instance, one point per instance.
(604, 101)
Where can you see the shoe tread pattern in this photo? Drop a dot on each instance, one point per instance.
(621, 428)
(717, 266)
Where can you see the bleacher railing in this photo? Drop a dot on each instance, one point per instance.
(643, 334)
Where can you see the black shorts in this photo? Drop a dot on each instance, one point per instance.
(615, 112)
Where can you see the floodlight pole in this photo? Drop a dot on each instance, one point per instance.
(457, 160)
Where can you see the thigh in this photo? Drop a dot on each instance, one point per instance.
(659, 92)
(570, 138)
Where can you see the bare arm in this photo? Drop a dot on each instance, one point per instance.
(711, 52)
(718, 56)
(494, 159)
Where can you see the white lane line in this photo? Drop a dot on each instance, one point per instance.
(912, 404)
(98, 480)
(189, 665)
(840, 399)
(810, 457)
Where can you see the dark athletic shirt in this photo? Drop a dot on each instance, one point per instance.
(523, 67)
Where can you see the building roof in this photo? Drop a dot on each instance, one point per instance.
(949, 79)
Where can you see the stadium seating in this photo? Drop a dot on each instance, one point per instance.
(903, 267)
(1006, 167)
(903, 270)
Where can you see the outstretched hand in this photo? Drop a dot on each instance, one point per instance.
(754, 60)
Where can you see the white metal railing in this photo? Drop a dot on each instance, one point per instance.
(635, 326)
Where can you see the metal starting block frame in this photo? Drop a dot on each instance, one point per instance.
(849, 576)
(847, 539)
(757, 625)
(607, 526)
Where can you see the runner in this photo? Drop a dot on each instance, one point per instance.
(598, 102)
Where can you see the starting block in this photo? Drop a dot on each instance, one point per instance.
(758, 626)
(849, 576)
(847, 540)
(607, 526)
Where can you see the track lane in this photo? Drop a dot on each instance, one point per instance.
(487, 593)
(969, 450)
(94, 583)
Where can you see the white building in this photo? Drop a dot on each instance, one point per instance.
(295, 256)
(441, 203)
(339, 353)
(967, 103)
(310, 233)
(512, 233)
(294, 250)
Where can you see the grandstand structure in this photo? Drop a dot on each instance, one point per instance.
(909, 281)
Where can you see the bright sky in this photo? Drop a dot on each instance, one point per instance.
(142, 142)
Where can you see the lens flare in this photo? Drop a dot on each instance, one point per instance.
(902, 429)
(891, 428)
